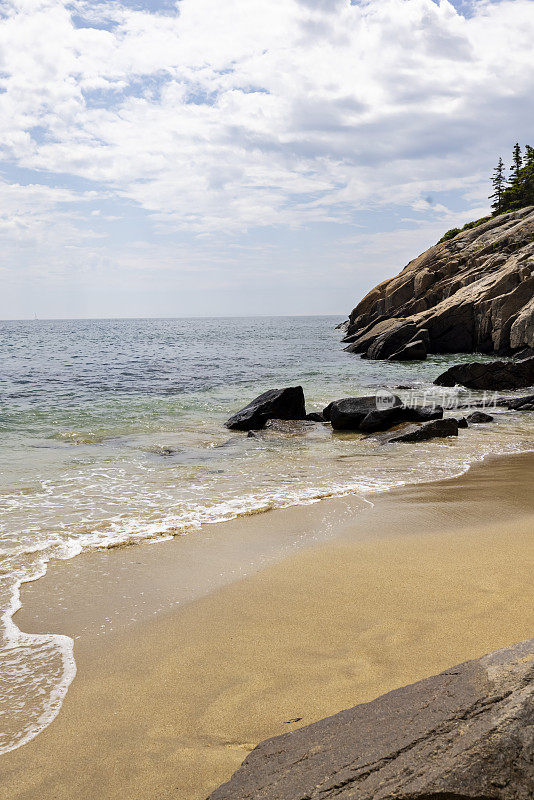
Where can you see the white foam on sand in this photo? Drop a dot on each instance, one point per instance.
(37, 670)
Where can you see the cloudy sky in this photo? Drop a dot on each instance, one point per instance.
(208, 157)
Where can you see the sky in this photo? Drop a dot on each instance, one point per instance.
(208, 158)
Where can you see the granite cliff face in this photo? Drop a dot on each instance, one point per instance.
(466, 734)
(473, 293)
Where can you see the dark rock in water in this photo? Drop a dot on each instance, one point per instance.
(465, 734)
(437, 429)
(413, 351)
(471, 404)
(273, 404)
(490, 375)
(472, 293)
(251, 435)
(463, 423)
(518, 403)
(478, 417)
(379, 420)
(347, 414)
(382, 420)
(315, 416)
(422, 413)
(326, 411)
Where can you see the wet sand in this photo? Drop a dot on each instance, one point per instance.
(169, 698)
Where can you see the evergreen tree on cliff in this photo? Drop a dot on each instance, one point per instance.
(515, 189)
(528, 175)
(518, 162)
(520, 189)
(499, 184)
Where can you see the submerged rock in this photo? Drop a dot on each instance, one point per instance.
(518, 403)
(472, 293)
(274, 404)
(478, 417)
(490, 375)
(465, 734)
(288, 427)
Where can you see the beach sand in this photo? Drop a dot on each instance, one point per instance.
(167, 704)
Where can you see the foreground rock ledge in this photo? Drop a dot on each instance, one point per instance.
(466, 734)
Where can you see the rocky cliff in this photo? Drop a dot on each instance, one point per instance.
(472, 293)
(467, 734)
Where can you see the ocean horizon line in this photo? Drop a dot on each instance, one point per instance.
(196, 316)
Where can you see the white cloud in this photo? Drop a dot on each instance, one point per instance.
(35, 213)
(226, 116)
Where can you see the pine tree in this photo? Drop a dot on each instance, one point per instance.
(518, 161)
(518, 191)
(514, 191)
(499, 184)
(528, 176)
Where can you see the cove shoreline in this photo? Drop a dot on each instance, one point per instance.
(488, 501)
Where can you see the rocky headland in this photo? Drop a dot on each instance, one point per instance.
(466, 734)
(471, 293)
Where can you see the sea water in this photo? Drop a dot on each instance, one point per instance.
(112, 431)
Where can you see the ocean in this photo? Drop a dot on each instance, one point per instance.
(112, 432)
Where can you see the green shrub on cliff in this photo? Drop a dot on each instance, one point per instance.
(453, 231)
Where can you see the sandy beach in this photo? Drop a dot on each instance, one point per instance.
(169, 698)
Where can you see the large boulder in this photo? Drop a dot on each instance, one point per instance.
(348, 413)
(490, 375)
(274, 404)
(472, 293)
(382, 420)
(466, 734)
(436, 429)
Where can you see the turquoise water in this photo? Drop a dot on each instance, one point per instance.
(112, 431)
